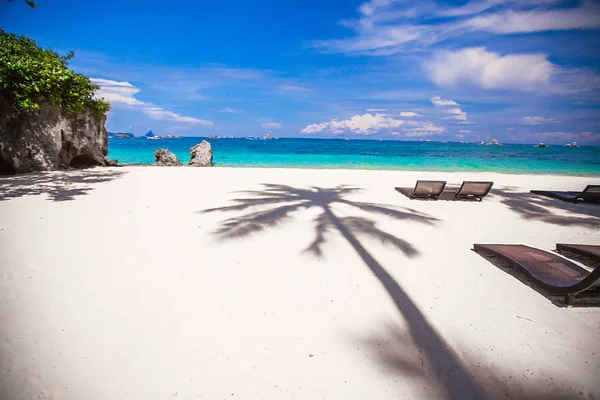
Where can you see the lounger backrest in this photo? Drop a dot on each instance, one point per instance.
(591, 192)
(429, 188)
(476, 189)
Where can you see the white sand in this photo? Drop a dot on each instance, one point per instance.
(125, 292)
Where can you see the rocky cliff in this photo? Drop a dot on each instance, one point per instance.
(47, 139)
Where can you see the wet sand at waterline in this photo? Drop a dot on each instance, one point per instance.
(249, 283)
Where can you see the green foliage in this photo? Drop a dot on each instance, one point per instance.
(30, 3)
(30, 76)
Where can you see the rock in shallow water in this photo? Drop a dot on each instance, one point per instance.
(164, 157)
(201, 155)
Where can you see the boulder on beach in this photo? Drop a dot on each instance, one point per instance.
(165, 158)
(201, 155)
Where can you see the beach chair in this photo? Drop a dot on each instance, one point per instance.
(548, 273)
(591, 194)
(587, 254)
(424, 190)
(471, 190)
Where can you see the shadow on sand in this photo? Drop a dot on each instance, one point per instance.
(277, 202)
(552, 211)
(58, 185)
(439, 365)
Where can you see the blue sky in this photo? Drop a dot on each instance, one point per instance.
(519, 71)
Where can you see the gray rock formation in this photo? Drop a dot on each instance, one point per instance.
(201, 155)
(165, 158)
(47, 139)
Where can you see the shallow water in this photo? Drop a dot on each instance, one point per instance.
(371, 154)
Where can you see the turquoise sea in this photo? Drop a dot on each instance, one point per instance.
(371, 154)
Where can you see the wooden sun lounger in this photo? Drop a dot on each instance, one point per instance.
(472, 190)
(585, 253)
(424, 190)
(591, 194)
(558, 278)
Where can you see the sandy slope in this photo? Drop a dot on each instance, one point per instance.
(114, 284)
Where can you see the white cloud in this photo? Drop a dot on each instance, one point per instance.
(271, 125)
(479, 67)
(161, 114)
(464, 131)
(376, 109)
(293, 88)
(538, 120)
(366, 124)
(439, 102)
(385, 27)
(584, 17)
(457, 114)
(117, 92)
(414, 129)
(374, 40)
(230, 110)
(408, 114)
(123, 93)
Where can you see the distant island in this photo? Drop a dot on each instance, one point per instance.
(120, 135)
(149, 135)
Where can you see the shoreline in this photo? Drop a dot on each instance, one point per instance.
(311, 168)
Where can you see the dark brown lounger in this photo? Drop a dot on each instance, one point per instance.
(424, 190)
(471, 190)
(587, 254)
(591, 194)
(554, 275)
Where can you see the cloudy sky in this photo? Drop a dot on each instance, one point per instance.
(516, 70)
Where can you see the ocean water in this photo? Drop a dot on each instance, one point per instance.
(371, 154)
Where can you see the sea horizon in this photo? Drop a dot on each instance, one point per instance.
(370, 154)
(345, 138)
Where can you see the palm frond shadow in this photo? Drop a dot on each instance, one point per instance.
(539, 208)
(57, 185)
(285, 200)
(281, 201)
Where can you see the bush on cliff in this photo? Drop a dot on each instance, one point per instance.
(30, 76)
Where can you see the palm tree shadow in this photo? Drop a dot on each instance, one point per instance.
(276, 204)
(391, 351)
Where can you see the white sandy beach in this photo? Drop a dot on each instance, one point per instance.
(115, 284)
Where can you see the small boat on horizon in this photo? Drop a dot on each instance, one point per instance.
(494, 142)
(574, 144)
(541, 145)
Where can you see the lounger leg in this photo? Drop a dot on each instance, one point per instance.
(568, 299)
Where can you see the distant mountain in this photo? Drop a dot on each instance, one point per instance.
(149, 134)
(120, 135)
